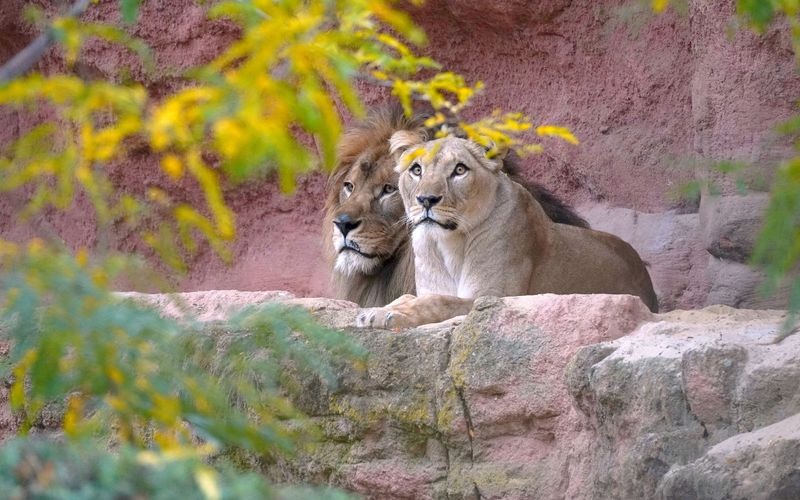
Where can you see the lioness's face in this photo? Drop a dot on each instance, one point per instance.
(367, 221)
(447, 185)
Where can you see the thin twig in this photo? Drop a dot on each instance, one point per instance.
(30, 55)
(371, 80)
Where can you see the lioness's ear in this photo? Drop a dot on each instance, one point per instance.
(404, 139)
(496, 151)
(484, 155)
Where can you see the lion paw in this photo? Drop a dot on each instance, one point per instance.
(382, 317)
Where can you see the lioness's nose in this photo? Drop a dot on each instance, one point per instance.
(345, 223)
(428, 201)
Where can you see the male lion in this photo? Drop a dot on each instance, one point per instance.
(475, 232)
(366, 237)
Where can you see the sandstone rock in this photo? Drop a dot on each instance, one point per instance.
(668, 242)
(696, 259)
(573, 396)
(764, 464)
(513, 419)
(731, 224)
(739, 87)
(381, 423)
(679, 385)
(214, 305)
(740, 285)
(504, 15)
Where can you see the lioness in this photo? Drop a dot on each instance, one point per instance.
(475, 232)
(366, 237)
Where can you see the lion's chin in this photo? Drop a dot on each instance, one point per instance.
(351, 263)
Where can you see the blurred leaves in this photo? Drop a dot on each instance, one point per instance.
(35, 468)
(124, 367)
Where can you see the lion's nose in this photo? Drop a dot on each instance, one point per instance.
(428, 201)
(345, 223)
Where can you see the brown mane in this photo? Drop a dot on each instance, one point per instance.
(555, 208)
(396, 277)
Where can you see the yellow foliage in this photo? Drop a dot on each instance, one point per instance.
(563, 133)
(659, 5)
(208, 482)
(173, 166)
(73, 415)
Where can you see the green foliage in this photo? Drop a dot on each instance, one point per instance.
(31, 468)
(125, 367)
(734, 170)
(129, 9)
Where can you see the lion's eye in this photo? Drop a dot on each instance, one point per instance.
(348, 187)
(416, 170)
(460, 169)
(388, 189)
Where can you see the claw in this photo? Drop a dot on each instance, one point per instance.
(387, 321)
(361, 319)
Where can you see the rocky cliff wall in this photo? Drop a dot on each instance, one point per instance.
(548, 397)
(654, 102)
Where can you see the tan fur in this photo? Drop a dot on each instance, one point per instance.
(488, 236)
(366, 161)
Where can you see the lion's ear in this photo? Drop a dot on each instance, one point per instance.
(404, 139)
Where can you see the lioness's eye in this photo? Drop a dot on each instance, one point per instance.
(388, 189)
(348, 187)
(460, 169)
(416, 169)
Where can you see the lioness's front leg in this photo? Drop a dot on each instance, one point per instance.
(409, 311)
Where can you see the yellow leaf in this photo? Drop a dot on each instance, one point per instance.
(158, 196)
(17, 396)
(553, 131)
(73, 414)
(659, 5)
(82, 257)
(35, 246)
(166, 440)
(173, 166)
(114, 374)
(148, 458)
(207, 480)
(435, 120)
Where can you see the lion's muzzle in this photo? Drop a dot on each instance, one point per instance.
(345, 223)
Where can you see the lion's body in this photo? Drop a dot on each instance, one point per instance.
(479, 233)
(381, 266)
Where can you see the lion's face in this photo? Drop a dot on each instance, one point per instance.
(367, 218)
(447, 185)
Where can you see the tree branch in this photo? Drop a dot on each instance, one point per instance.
(371, 80)
(30, 55)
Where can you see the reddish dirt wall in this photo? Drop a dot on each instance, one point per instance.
(648, 100)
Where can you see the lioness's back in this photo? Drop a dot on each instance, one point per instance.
(613, 266)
